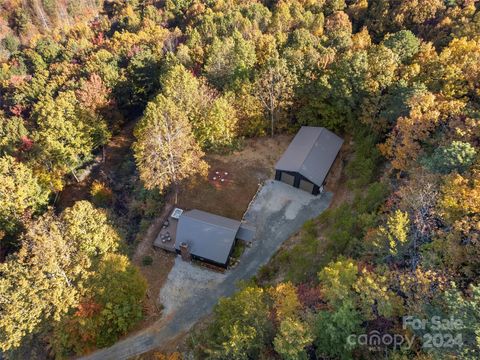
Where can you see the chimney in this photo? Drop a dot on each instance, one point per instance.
(185, 252)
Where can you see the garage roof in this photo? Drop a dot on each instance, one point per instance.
(311, 153)
(208, 235)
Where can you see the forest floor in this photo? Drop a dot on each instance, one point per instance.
(115, 151)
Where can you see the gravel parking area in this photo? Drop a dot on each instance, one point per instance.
(191, 292)
(185, 283)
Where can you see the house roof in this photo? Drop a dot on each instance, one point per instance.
(208, 235)
(311, 153)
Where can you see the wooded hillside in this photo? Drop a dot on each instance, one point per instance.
(398, 79)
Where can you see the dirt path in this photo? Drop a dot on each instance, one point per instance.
(156, 273)
(278, 212)
(115, 151)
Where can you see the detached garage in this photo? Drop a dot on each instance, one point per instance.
(308, 159)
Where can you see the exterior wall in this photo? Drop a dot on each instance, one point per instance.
(298, 178)
(208, 261)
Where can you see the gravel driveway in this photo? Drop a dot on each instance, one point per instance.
(191, 292)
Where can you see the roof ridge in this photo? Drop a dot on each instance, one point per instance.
(310, 151)
(217, 225)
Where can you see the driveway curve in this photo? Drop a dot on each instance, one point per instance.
(278, 211)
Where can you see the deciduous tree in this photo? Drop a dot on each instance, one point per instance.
(111, 305)
(396, 231)
(212, 117)
(458, 155)
(165, 150)
(19, 191)
(241, 325)
(292, 338)
(48, 275)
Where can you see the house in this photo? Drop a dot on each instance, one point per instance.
(208, 237)
(308, 159)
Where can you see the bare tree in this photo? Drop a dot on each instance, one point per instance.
(274, 88)
(419, 197)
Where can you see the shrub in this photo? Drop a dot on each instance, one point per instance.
(101, 194)
(147, 260)
(362, 168)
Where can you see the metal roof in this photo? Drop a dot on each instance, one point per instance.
(208, 235)
(246, 232)
(311, 153)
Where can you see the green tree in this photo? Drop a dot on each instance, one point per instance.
(467, 310)
(464, 309)
(48, 49)
(105, 64)
(112, 304)
(219, 127)
(10, 42)
(338, 31)
(240, 328)
(458, 156)
(374, 296)
(334, 5)
(337, 279)
(382, 66)
(403, 43)
(12, 131)
(332, 329)
(165, 149)
(90, 229)
(333, 99)
(141, 80)
(66, 134)
(229, 60)
(212, 118)
(48, 275)
(249, 111)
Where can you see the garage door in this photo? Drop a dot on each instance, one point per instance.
(306, 185)
(287, 178)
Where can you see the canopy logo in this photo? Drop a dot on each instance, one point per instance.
(436, 332)
(374, 340)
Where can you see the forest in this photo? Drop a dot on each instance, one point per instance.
(398, 79)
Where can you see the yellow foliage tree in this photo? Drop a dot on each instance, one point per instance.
(396, 230)
(165, 150)
(285, 300)
(403, 145)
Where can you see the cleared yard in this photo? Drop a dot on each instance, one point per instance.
(246, 169)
